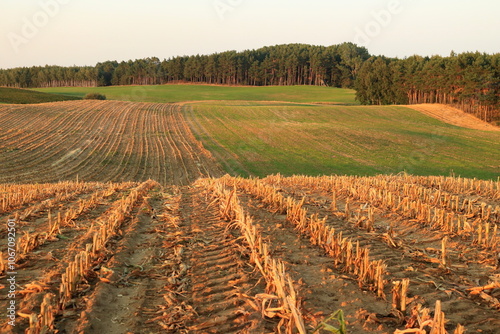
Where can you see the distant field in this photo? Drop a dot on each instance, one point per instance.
(99, 141)
(180, 93)
(257, 139)
(296, 135)
(25, 96)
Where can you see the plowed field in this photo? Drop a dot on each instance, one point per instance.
(100, 141)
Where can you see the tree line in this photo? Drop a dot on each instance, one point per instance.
(49, 76)
(290, 64)
(469, 81)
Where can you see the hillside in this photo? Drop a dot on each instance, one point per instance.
(128, 141)
(25, 96)
(99, 141)
(454, 116)
(266, 138)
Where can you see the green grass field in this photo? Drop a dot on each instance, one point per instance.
(259, 139)
(179, 93)
(25, 96)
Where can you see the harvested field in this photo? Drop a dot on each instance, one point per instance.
(395, 254)
(100, 141)
(144, 235)
(177, 143)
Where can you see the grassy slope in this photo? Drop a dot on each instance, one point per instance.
(264, 139)
(178, 93)
(25, 96)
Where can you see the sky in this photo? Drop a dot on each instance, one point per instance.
(85, 32)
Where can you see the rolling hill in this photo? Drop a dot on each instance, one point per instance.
(266, 138)
(26, 96)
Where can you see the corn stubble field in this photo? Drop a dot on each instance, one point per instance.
(198, 252)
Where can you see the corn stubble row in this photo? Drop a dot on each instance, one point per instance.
(13, 196)
(477, 231)
(457, 185)
(53, 197)
(447, 195)
(281, 299)
(450, 202)
(353, 258)
(30, 241)
(437, 195)
(77, 269)
(434, 208)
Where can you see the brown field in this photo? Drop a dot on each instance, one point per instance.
(100, 141)
(454, 116)
(234, 255)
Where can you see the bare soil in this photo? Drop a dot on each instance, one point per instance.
(453, 116)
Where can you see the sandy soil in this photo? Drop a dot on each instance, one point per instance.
(453, 116)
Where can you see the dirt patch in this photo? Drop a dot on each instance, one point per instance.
(453, 116)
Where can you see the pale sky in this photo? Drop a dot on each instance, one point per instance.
(78, 32)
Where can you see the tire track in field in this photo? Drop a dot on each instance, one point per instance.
(218, 274)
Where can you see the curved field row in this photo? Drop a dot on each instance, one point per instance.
(47, 130)
(100, 141)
